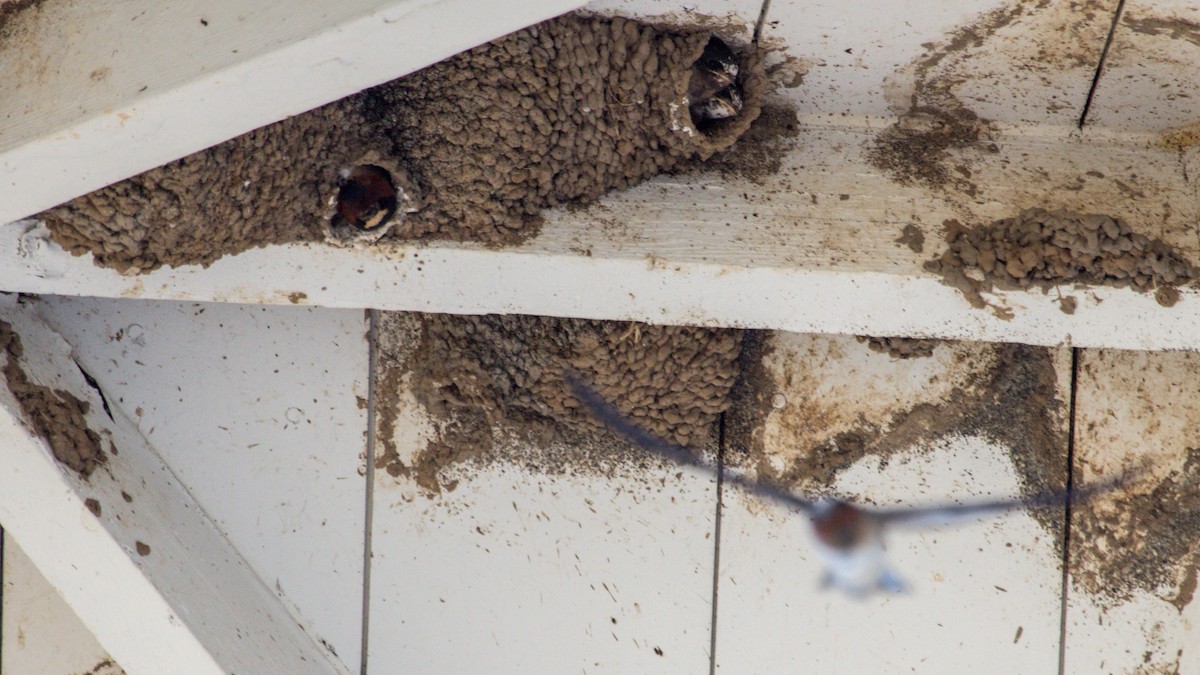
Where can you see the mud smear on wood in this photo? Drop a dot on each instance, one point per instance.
(105, 667)
(1180, 140)
(10, 11)
(938, 137)
(1175, 29)
(493, 388)
(558, 113)
(56, 416)
(1142, 539)
(759, 153)
(916, 148)
(1014, 402)
(1045, 249)
(900, 347)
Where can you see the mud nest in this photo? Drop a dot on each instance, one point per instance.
(473, 374)
(54, 415)
(900, 347)
(558, 113)
(1043, 249)
(266, 187)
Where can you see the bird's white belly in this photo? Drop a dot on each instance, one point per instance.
(858, 570)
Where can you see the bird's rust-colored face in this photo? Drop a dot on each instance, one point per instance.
(843, 527)
(367, 197)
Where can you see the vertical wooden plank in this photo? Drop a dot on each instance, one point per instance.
(517, 567)
(1149, 82)
(260, 412)
(40, 632)
(1135, 553)
(971, 420)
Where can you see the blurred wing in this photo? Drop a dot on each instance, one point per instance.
(613, 419)
(950, 514)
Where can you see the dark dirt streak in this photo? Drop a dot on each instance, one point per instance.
(1112, 31)
(91, 382)
(1176, 29)
(914, 150)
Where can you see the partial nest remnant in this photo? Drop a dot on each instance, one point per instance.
(900, 347)
(558, 113)
(55, 415)
(1043, 249)
(476, 374)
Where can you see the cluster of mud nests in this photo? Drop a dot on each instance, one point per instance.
(484, 377)
(55, 415)
(1043, 249)
(478, 145)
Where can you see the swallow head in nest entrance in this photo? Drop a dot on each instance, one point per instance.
(366, 198)
(713, 91)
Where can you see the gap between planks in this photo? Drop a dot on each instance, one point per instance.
(369, 473)
(1067, 513)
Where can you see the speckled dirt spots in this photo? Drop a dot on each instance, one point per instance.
(1139, 409)
(1143, 538)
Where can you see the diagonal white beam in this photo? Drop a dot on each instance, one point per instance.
(144, 568)
(93, 93)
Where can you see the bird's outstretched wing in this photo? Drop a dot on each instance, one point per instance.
(949, 514)
(613, 419)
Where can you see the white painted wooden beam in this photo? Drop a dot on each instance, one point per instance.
(39, 632)
(818, 255)
(93, 93)
(151, 575)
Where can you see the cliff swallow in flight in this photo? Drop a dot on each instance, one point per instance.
(366, 197)
(849, 539)
(714, 77)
